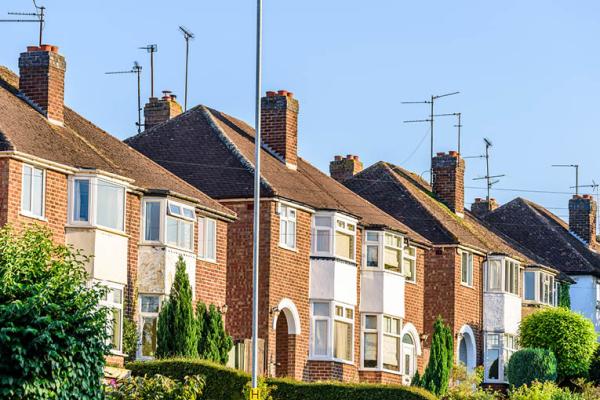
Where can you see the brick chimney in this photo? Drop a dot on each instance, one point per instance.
(42, 80)
(481, 206)
(449, 180)
(342, 168)
(582, 218)
(279, 125)
(158, 111)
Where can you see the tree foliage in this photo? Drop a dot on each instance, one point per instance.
(564, 295)
(157, 387)
(569, 335)
(530, 365)
(214, 343)
(176, 324)
(441, 359)
(53, 335)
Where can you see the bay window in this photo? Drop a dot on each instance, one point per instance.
(332, 332)
(207, 239)
(391, 343)
(97, 201)
(150, 306)
(345, 234)
(372, 249)
(392, 252)
(334, 235)
(499, 347)
(388, 251)
(466, 268)
(113, 300)
(370, 340)
(32, 191)
(152, 221)
(503, 275)
(540, 287)
(382, 338)
(180, 225)
(287, 227)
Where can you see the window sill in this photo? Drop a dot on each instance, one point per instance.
(387, 371)
(330, 359)
(33, 216)
(182, 249)
(467, 285)
(293, 249)
(208, 260)
(117, 353)
(98, 227)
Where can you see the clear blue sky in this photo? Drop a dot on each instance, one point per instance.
(528, 72)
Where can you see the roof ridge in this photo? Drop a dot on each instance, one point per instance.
(214, 126)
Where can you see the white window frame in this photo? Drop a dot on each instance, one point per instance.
(331, 230)
(331, 330)
(505, 351)
(370, 243)
(539, 278)
(112, 305)
(161, 220)
(397, 249)
(412, 348)
(344, 230)
(203, 239)
(506, 264)
(406, 259)
(146, 314)
(179, 217)
(94, 181)
(363, 332)
(287, 217)
(380, 331)
(397, 336)
(469, 258)
(379, 242)
(30, 213)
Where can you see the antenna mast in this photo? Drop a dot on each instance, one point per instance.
(39, 13)
(151, 48)
(576, 166)
(431, 102)
(136, 69)
(489, 178)
(187, 35)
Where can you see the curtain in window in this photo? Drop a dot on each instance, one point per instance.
(110, 205)
(344, 245)
(392, 259)
(323, 240)
(494, 275)
(370, 350)
(211, 235)
(26, 191)
(372, 255)
(391, 352)
(320, 337)
(342, 340)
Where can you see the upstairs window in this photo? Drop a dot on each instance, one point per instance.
(110, 205)
(81, 202)
(287, 227)
(207, 239)
(372, 249)
(410, 263)
(392, 253)
(345, 234)
(180, 225)
(97, 201)
(466, 271)
(503, 275)
(323, 235)
(540, 287)
(511, 277)
(334, 236)
(152, 221)
(32, 191)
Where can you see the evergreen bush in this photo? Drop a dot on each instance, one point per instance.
(529, 365)
(214, 343)
(441, 359)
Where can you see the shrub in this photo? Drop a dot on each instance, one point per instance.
(176, 325)
(264, 390)
(528, 365)
(214, 343)
(130, 338)
(441, 358)
(542, 391)
(594, 370)
(52, 331)
(570, 336)
(564, 295)
(221, 383)
(465, 385)
(156, 387)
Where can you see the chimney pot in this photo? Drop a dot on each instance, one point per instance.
(282, 92)
(453, 153)
(33, 48)
(441, 153)
(481, 206)
(158, 111)
(342, 168)
(271, 93)
(290, 94)
(338, 158)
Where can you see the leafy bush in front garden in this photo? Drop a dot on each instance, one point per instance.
(570, 336)
(52, 331)
(157, 387)
(528, 365)
(543, 391)
(466, 385)
(594, 371)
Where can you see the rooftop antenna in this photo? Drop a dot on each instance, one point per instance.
(187, 35)
(39, 13)
(431, 102)
(595, 188)
(136, 69)
(491, 181)
(576, 166)
(151, 48)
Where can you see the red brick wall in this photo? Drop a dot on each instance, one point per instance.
(380, 377)
(449, 180)
(132, 228)
(211, 277)
(414, 300)
(279, 124)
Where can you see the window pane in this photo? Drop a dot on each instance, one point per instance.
(148, 336)
(152, 229)
(323, 221)
(82, 200)
(344, 245)
(529, 285)
(339, 311)
(342, 339)
(410, 269)
(321, 309)
(372, 236)
(150, 304)
(391, 352)
(320, 346)
(392, 259)
(172, 231)
(323, 240)
(37, 188)
(116, 329)
(494, 275)
(372, 256)
(188, 213)
(492, 361)
(109, 205)
(185, 234)
(26, 188)
(370, 350)
(211, 239)
(370, 322)
(174, 209)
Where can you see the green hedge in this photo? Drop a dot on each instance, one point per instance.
(221, 383)
(529, 365)
(227, 384)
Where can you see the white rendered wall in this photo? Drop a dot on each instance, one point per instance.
(382, 292)
(501, 312)
(584, 298)
(331, 279)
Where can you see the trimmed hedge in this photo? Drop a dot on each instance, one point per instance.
(224, 383)
(529, 365)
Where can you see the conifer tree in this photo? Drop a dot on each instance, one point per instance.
(441, 359)
(176, 323)
(214, 343)
(201, 327)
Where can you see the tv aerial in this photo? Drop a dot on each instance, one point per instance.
(136, 69)
(40, 18)
(187, 35)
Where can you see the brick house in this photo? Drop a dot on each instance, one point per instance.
(570, 248)
(473, 273)
(101, 196)
(337, 300)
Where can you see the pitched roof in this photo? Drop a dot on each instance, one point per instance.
(215, 152)
(407, 197)
(81, 144)
(546, 235)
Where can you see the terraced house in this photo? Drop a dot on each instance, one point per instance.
(570, 248)
(341, 282)
(133, 217)
(474, 275)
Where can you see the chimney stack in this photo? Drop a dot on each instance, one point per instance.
(449, 180)
(342, 168)
(42, 80)
(481, 206)
(158, 111)
(279, 125)
(582, 218)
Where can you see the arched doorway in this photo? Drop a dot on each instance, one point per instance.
(286, 324)
(467, 348)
